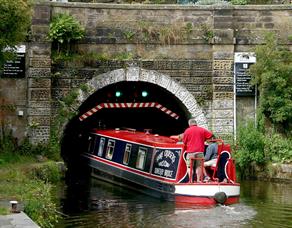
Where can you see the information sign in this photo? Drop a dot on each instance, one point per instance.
(243, 61)
(15, 68)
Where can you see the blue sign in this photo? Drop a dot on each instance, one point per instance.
(166, 162)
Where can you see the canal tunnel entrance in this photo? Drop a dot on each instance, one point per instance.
(132, 98)
(136, 105)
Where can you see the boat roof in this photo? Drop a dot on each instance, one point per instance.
(140, 137)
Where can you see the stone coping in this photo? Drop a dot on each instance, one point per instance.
(140, 6)
(17, 220)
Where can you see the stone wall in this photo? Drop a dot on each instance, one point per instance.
(194, 45)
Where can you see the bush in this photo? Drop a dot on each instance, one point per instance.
(278, 148)
(49, 172)
(255, 149)
(38, 204)
(65, 29)
(250, 149)
(239, 2)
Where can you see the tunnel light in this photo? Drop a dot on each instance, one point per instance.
(144, 93)
(118, 93)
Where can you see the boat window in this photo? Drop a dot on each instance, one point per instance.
(101, 147)
(140, 163)
(127, 154)
(110, 149)
(91, 144)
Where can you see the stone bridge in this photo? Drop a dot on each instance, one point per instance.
(184, 55)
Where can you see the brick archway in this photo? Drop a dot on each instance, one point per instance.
(139, 74)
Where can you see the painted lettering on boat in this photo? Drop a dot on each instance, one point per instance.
(166, 161)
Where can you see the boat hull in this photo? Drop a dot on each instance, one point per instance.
(207, 193)
(180, 193)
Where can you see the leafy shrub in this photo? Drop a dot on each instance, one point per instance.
(49, 172)
(239, 2)
(278, 148)
(250, 149)
(65, 29)
(38, 203)
(272, 74)
(15, 22)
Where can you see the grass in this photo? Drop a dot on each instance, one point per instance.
(30, 182)
(4, 211)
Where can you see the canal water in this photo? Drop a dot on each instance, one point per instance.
(99, 204)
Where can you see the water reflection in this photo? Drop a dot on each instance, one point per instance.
(99, 204)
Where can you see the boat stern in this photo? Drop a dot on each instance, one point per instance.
(207, 193)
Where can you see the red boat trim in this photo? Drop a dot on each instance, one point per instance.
(129, 169)
(138, 143)
(128, 105)
(203, 200)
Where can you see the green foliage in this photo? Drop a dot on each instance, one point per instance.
(272, 74)
(7, 142)
(255, 149)
(17, 182)
(278, 148)
(38, 203)
(48, 172)
(123, 56)
(208, 34)
(11, 148)
(239, 2)
(129, 35)
(4, 211)
(250, 149)
(15, 20)
(65, 29)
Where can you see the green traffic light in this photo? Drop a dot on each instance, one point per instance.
(144, 93)
(118, 93)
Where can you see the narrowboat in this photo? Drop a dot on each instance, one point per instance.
(156, 165)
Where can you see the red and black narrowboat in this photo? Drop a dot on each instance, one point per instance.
(156, 165)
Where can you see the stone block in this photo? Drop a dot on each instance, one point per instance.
(39, 94)
(39, 83)
(223, 114)
(223, 12)
(223, 80)
(61, 82)
(223, 122)
(77, 82)
(39, 111)
(40, 62)
(39, 104)
(39, 72)
(222, 73)
(224, 65)
(39, 120)
(223, 129)
(223, 104)
(223, 88)
(39, 33)
(38, 50)
(42, 12)
(223, 95)
(59, 93)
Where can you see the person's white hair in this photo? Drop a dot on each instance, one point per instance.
(192, 121)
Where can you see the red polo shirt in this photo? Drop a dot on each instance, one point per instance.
(194, 138)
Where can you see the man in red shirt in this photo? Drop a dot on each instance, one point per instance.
(194, 138)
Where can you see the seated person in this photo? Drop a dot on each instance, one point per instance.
(211, 155)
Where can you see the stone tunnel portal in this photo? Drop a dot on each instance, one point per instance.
(125, 92)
